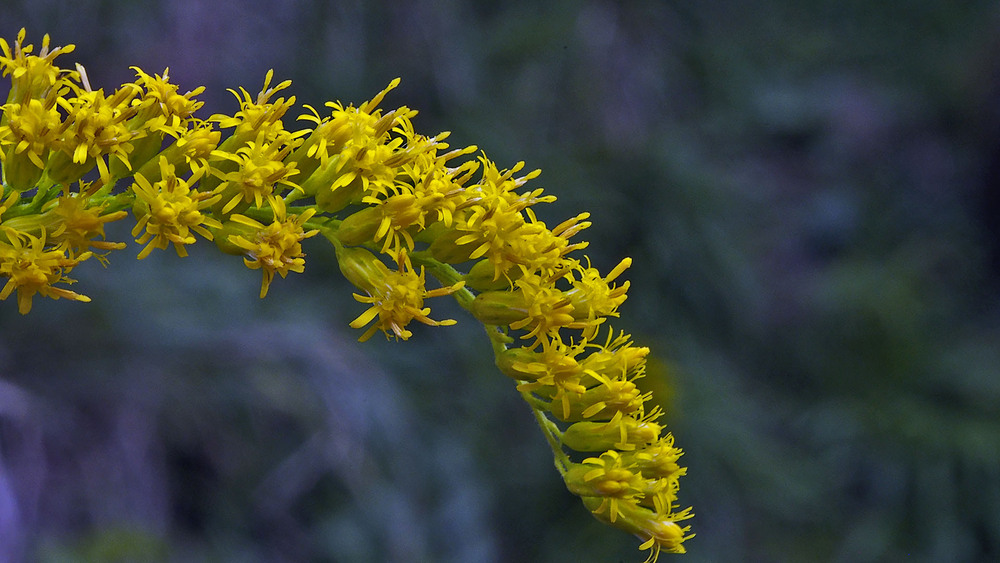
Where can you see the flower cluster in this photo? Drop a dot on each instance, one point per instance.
(398, 207)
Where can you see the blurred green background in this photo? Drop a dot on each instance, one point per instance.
(811, 194)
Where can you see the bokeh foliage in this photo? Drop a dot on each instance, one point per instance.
(809, 191)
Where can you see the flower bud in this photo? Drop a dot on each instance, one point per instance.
(482, 277)
(661, 531)
(20, 172)
(499, 308)
(600, 436)
(588, 480)
(232, 229)
(333, 189)
(33, 223)
(512, 361)
(599, 403)
(447, 250)
(143, 150)
(314, 179)
(657, 460)
(359, 227)
(61, 168)
(362, 268)
(430, 232)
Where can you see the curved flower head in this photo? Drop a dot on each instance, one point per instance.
(364, 178)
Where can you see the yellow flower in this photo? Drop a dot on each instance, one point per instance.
(94, 127)
(593, 296)
(29, 132)
(493, 220)
(274, 248)
(658, 463)
(606, 477)
(658, 459)
(79, 224)
(618, 356)
(660, 531)
(547, 309)
(612, 398)
(169, 210)
(437, 186)
(396, 298)
(32, 268)
(390, 220)
(162, 109)
(400, 213)
(540, 250)
(599, 386)
(626, 433)
(193, 149)
(260, 171)
(350, 131)
(492, 216)
(33, 76)
(258, 116)
(157, 112)
(552, 373)
(535, 306)
(362, 140)
(424, 192)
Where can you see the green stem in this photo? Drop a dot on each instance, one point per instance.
(445, 274)
(552, 436)
(115, 202)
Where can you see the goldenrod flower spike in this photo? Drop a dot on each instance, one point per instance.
(409, 217)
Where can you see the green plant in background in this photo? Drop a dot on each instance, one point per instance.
(397, 206)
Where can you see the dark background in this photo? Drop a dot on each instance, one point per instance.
(811, 194)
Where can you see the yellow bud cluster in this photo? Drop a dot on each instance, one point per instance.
(397, 206)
